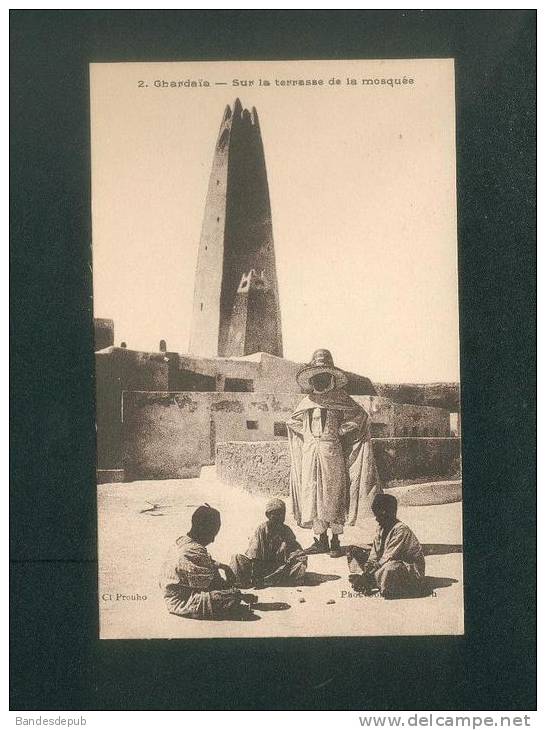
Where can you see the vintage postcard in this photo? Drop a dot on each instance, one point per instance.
(277, 349)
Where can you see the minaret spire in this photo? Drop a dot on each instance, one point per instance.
(236, 307)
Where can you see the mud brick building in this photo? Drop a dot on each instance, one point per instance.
(165, 414)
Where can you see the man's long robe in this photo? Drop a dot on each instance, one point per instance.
(334, 474)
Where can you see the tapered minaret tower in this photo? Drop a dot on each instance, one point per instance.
(236, 301)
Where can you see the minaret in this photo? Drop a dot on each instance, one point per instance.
(236, 307)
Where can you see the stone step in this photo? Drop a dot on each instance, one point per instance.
(110, 476)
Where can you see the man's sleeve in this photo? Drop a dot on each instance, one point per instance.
(354, 419)
(198, 574)
(295, 423)
(291, 540)
(255, 546)
(372, 564)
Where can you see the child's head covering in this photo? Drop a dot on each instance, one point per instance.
(387, 502)
(274, 505)
(205, 517)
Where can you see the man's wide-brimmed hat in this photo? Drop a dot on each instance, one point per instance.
(321, 362)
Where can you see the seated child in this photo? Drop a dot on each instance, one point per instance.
(273, 557)
(395, 564)
(191, 582)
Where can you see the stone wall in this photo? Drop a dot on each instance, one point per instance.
(264, 467)
(438, 395)
(116, 370)
(409, 459)
(412, 420)
(265, 373)
(121, 370)
(168, 435)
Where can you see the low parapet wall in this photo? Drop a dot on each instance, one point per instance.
(264, 466)
(411, 459)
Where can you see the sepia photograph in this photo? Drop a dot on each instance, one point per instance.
(273, 367)
(277, 351)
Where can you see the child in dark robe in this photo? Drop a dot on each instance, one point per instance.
(273, 557)
(395, 564)
(191, 582)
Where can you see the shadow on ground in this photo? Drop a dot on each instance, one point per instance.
(437, 549)
(243, 616)
(427, 589)
(272, 606)
(315, 579)
(433, 582)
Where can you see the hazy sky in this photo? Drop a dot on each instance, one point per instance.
(363, 199)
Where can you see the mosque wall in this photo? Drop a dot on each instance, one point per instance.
(167, 435)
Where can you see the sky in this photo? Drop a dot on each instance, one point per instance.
(363, 198)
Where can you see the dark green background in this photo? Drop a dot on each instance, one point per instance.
(57, 661)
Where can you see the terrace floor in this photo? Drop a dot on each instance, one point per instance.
(133, 545)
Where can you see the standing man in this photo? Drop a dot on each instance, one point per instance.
(332, 463)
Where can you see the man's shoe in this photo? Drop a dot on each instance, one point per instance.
(335, 548)
(320, 545)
